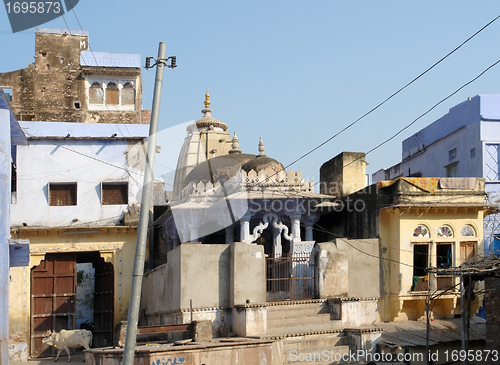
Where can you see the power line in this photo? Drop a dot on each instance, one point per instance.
(393, 95)
(425, 113)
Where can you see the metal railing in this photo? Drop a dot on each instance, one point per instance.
(290, 277)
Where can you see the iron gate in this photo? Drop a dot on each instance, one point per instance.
(290, 277)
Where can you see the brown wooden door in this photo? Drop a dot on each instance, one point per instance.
(467, 251)
(103, 304)
(53, 286)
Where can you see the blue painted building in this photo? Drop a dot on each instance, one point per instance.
(10, 135)
(463, 143)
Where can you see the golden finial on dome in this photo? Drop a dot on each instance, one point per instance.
(207, 99)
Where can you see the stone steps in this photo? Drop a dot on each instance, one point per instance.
(307, 341)
(305, 328)
(300, 317)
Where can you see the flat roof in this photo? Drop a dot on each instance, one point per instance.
(82, 33)
(105, 59)
(39, 130)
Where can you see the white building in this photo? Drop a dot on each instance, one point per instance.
(75, 197)
(74, 174)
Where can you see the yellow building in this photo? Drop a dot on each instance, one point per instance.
(420, 223)
(42, 294)
(427, 223)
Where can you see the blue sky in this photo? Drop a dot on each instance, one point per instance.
(295, 72)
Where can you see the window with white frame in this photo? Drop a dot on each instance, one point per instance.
(111, 94)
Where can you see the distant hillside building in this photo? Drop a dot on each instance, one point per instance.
(68, 82)
(463, 143)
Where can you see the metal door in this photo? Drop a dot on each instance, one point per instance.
(53, 286)
(103, 304)
(290, 277)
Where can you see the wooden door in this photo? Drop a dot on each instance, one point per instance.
(103, 304)
(467, 251)
(53, 287)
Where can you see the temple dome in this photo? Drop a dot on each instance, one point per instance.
(207, 120)
(260, 163)
(220, 169)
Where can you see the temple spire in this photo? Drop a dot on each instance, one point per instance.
(262, 148)
(207, 100)
(235, 146)
(207, 110)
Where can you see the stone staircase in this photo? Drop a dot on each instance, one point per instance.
(298, 317)
(309, 331)
(327, 348)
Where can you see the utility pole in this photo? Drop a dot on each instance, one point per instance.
(462, 297)
(428, 326)
(142, 231)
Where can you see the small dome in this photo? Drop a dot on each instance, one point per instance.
(260, 163)
(221, 169)
(207, 120)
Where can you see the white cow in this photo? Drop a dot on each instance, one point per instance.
(68, 338)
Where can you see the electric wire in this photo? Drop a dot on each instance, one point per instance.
(392, 95)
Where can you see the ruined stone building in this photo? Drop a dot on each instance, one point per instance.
(69, 82)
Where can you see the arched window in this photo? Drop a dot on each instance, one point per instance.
(112, 94)
(468, 231)
(421, 231)
(128, 94)
(445, 232)
(96, 94)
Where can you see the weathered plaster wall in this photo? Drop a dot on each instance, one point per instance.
(249, 320)
(364, 266)
(204, 275)
(390, 254)
(344, 174)
(48, 89)
(214, 277)
(5, 171)
(331, 271)
(243, 353)
(356, 313)
(86, 162)
(247, 274)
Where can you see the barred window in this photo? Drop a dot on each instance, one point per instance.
(62, 194)
(114, 193)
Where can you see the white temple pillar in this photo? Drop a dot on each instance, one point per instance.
(295, 223)
(277, 247)
(245, 228)
(308, 222)
(194, 235)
